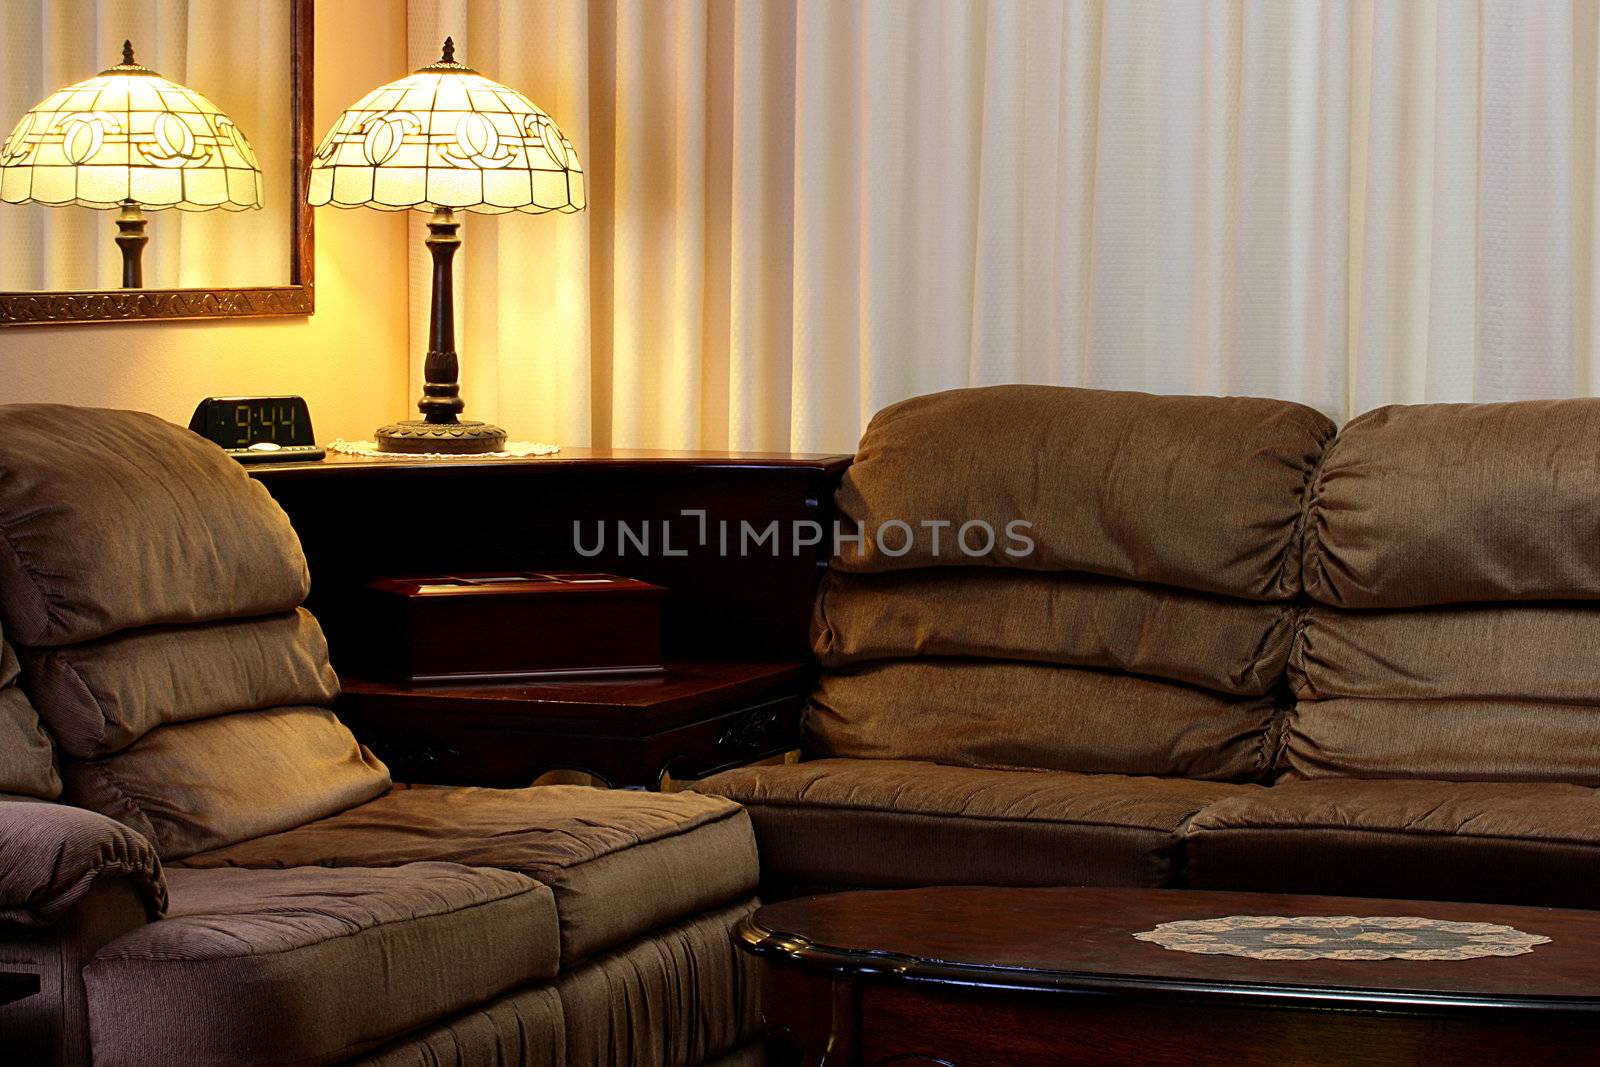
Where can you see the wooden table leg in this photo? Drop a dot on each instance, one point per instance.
(815, 1016)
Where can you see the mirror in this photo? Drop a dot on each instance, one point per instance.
(215, 255)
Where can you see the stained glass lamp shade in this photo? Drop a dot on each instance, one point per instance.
(445, 139)
(130, 139)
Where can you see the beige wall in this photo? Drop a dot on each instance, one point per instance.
(348, 360)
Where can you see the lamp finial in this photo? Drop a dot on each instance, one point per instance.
(127, 53)
(449, 53)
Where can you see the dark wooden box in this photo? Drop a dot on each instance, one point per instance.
(484, 627)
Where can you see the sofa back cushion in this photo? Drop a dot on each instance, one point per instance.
(213, 782)
(111, 520)
(102, 696)
(27, 757)
(1139, 622)
(153, 591)
(1453, 562)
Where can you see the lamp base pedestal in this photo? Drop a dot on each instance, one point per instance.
(416, 436)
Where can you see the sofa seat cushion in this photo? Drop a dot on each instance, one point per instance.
(889, 823)
(312, 965)
(1522, 843)
(621, 863)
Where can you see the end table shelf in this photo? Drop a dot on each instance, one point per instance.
(698, 718)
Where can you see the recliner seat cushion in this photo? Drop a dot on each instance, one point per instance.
(1199, 492)
(986, 713)
(116, 519)
(314, 965)
(1525, 843)
(100, 697)
(621, 863)
(896, 823)
(209, 783)
(1232, 646)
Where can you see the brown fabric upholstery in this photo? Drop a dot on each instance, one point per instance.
(1427, 840)
(51, 1028)
(51, 855)
(621, 863)
(523, 1027)
(210, 783)
(1455, 740)
(1082, 620)
(151, 587)
(101, 697)
(125, 520)
(27, 757)
(995, 714)
(1450, 548)
(1454, 503)
(894, 823)
(314, 965)
(678, 998)
(1199, 492)
(1494, 652)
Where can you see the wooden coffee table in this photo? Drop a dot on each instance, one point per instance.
(982, 976)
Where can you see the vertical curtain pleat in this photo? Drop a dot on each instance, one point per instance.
(804, 210)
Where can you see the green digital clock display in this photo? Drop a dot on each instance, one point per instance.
(257, 428)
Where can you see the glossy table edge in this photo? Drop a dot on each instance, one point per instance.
(760, 940)
(617, 460)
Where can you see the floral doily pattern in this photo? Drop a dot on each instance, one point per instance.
(1341, 937)
(370, 448)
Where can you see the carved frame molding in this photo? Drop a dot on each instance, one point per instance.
(65, 307)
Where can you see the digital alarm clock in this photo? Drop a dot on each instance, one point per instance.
(258, 429)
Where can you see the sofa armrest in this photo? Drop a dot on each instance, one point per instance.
(51, 855)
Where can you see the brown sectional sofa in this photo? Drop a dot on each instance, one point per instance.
(1234, 649)
(206, 868)
(1245, 651)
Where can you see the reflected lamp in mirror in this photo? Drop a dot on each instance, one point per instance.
(129, 139)
(445, 139)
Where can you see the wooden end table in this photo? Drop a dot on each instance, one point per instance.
(698, 718)
(963, 976)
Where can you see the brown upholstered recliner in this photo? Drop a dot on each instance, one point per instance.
(1244, 653)
(205, 867)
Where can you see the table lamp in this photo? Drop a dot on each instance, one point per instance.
(128, 138)
(445, 139)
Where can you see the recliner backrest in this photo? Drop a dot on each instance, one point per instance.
(1144, 631)
(152, 590)
(1453, 564)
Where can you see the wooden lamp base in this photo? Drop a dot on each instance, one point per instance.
(449, 438)
(441, 429)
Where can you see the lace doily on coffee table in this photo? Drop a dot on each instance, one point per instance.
(370, 448)
(1341, 937)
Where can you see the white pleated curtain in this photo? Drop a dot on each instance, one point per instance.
(804, 210)
(234, 52)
